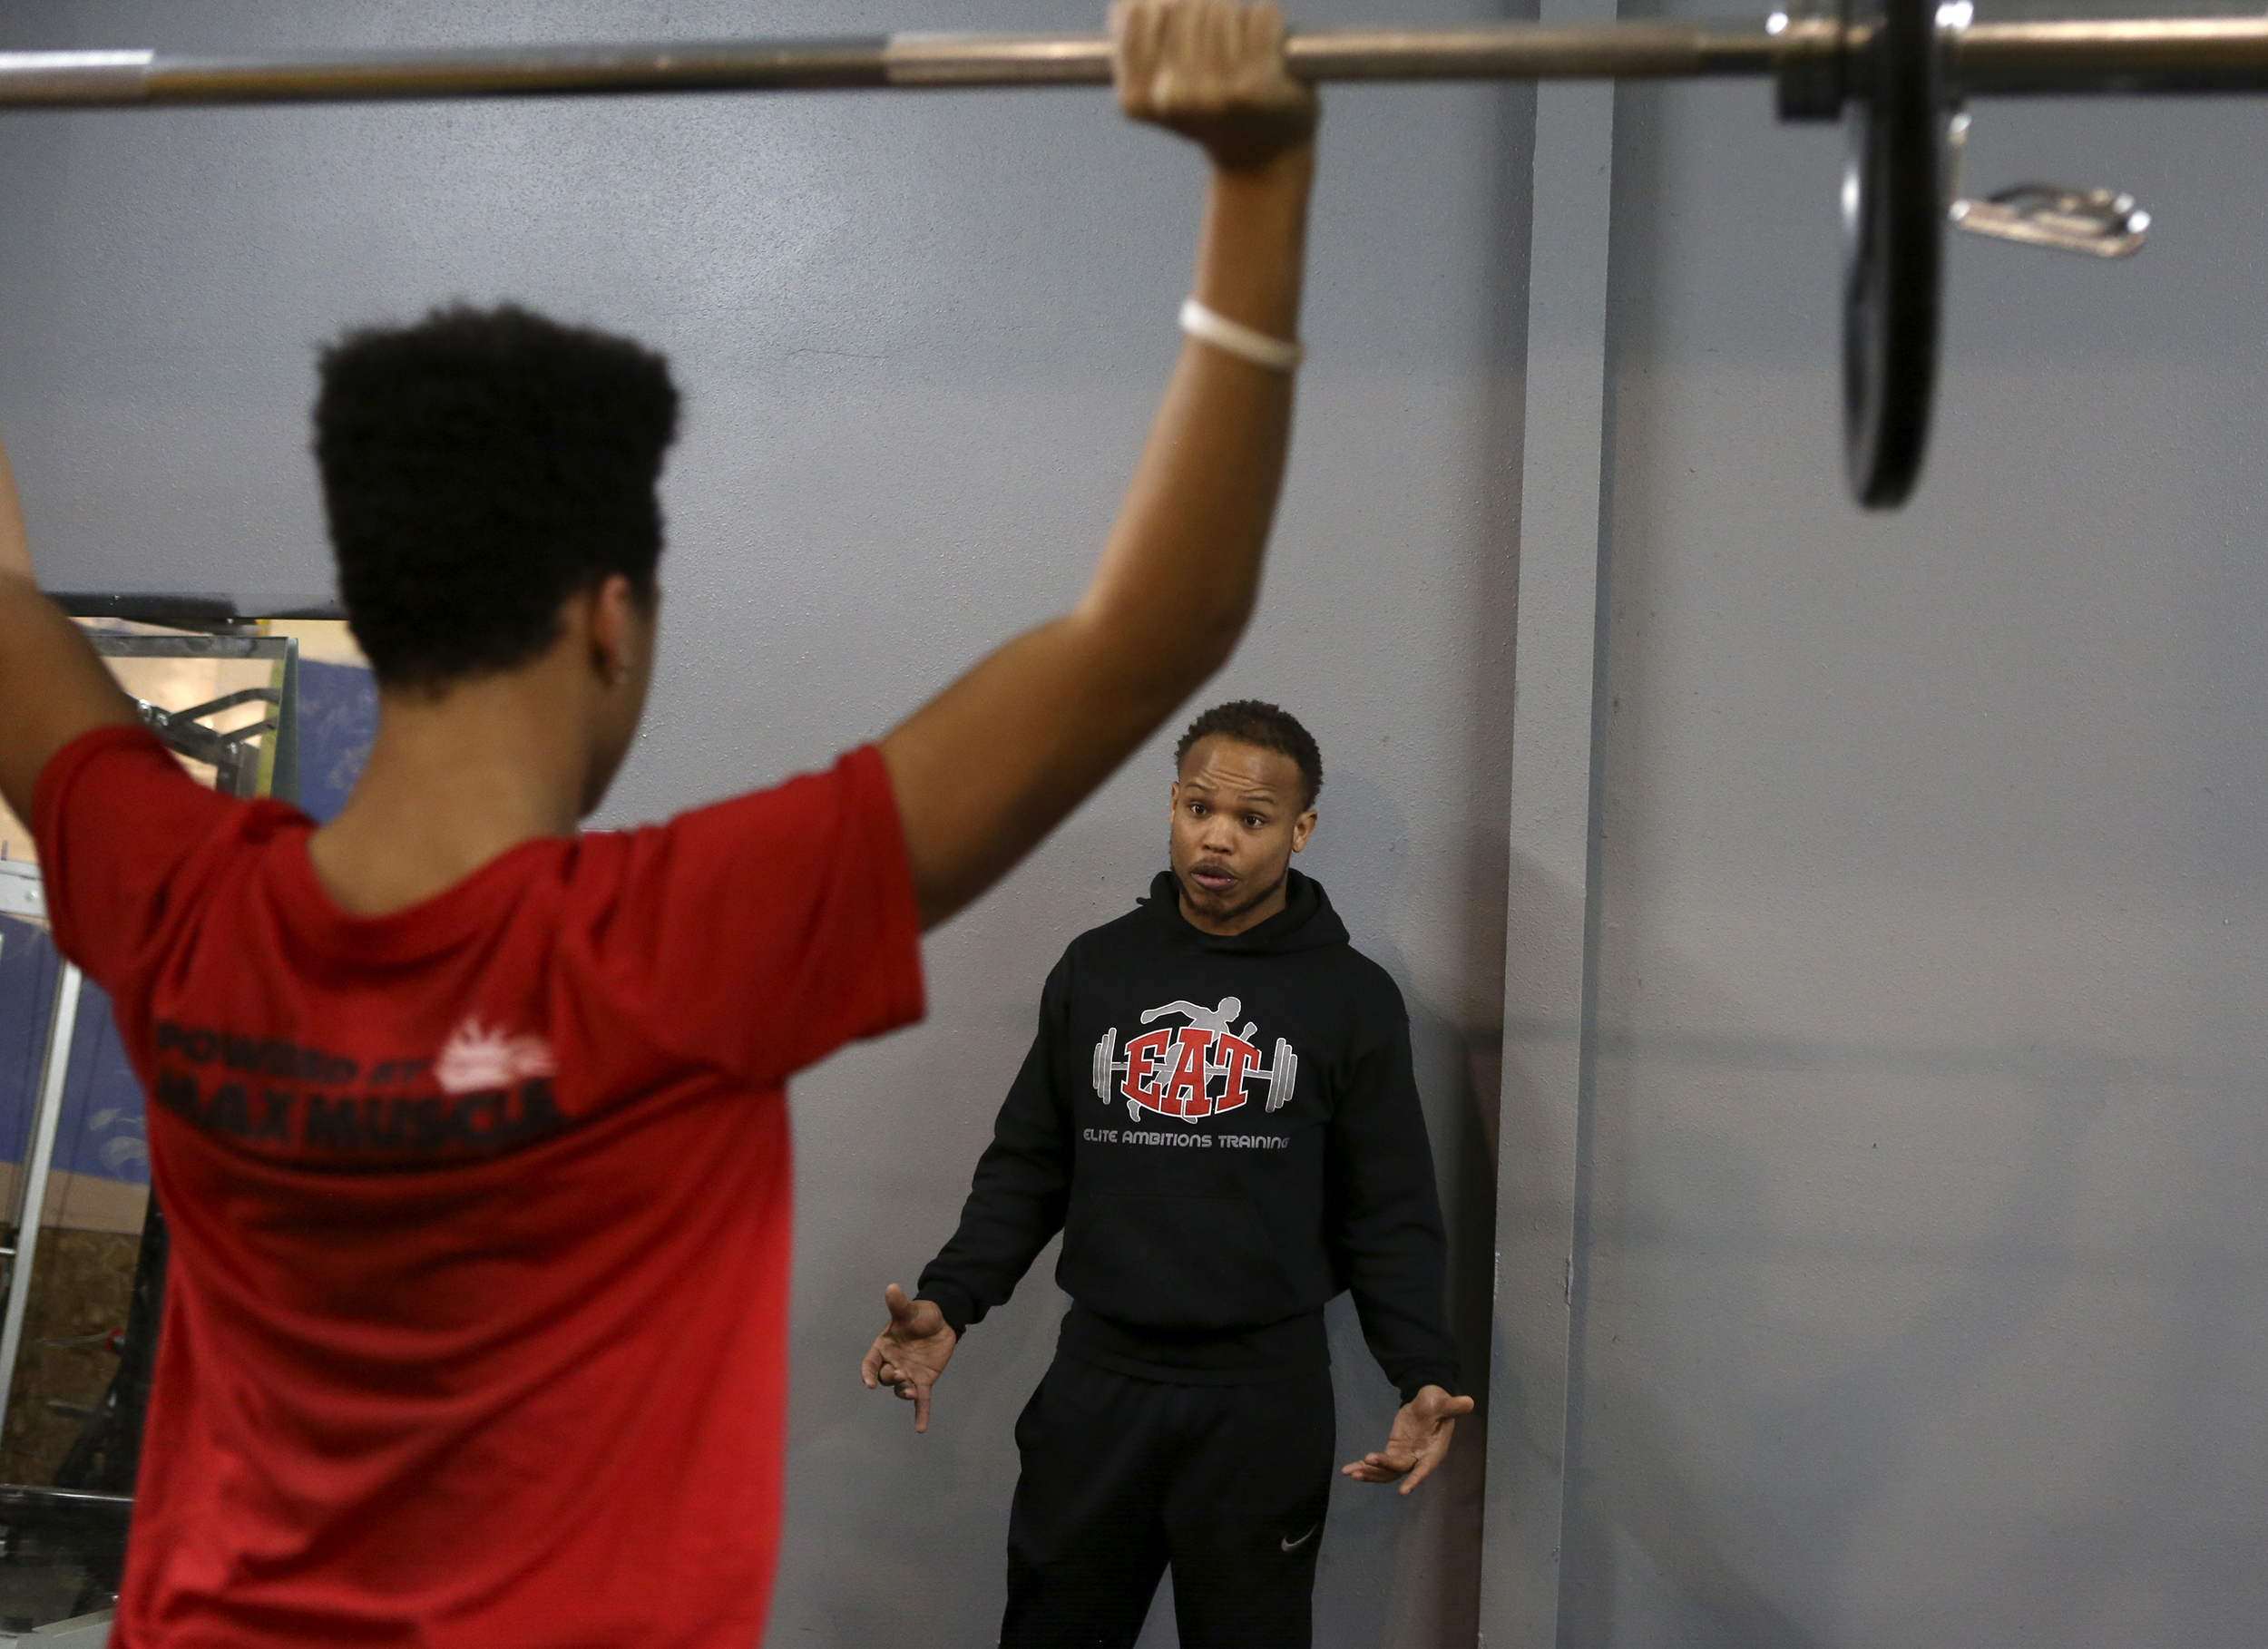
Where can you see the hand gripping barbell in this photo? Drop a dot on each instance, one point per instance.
(1897, 72)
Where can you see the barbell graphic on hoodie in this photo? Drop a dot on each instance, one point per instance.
(1171, 1070)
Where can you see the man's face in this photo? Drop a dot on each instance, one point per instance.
(1237, 820)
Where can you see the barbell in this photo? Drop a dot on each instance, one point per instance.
(1896, 71)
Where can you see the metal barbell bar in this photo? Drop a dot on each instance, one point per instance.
(2166, 55)
(1899, 69)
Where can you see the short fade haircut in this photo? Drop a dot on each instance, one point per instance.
(1265, 726)
(479, 468)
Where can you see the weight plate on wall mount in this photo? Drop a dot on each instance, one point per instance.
(1893, 230)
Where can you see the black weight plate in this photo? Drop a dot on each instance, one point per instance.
(1894, 219)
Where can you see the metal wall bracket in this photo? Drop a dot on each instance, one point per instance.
(2092, 222)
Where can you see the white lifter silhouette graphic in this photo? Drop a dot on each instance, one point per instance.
(1214, 1019)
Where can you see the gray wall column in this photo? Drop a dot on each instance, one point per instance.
(1549, 939)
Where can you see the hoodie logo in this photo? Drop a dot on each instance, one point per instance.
(1197, 1070)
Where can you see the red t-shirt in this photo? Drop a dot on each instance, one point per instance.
(475, 1329)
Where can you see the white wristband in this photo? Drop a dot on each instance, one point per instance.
(1239, 339)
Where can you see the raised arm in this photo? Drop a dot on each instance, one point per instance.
(53, 687)
(991, 765)
(16, 549)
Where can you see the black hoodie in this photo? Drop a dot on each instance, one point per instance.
(1228, 1133)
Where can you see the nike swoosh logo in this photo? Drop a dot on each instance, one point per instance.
(1293, 1546)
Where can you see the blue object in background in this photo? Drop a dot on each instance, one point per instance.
(338, 717)
(27, 995)
(100, 1131)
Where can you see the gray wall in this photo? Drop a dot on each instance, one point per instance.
(920, 336)
(1918, 1298)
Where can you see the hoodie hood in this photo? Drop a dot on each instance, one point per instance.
(1306, 922)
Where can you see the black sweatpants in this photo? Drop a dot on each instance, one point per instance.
(1122, 1475)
